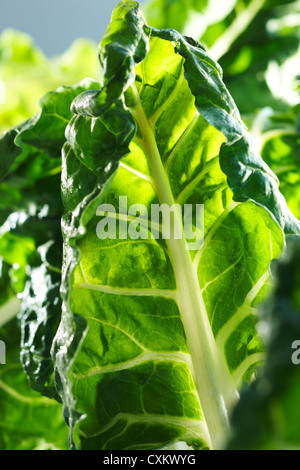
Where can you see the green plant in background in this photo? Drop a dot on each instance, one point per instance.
(140, 343)
(23, 66)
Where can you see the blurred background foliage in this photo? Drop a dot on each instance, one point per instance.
(28, 73)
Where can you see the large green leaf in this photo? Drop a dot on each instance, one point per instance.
(146, 340)
(156, 339)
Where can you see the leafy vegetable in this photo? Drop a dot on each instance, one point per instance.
(130, 292)
(145, 339)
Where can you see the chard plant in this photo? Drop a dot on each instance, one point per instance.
(140, 342)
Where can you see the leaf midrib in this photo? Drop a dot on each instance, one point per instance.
(211, 375)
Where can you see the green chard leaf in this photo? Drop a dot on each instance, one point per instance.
(190, 17)
(156, 336)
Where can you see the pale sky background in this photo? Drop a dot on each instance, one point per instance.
(55, 24)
